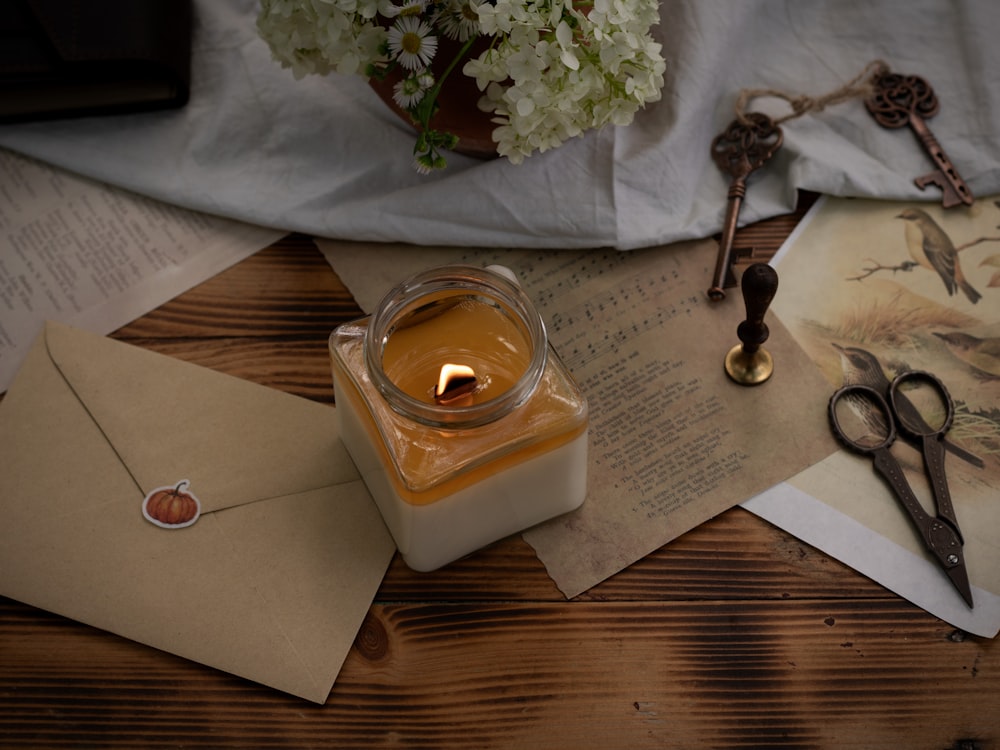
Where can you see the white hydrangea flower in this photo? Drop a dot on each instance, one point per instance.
(552, 71)
(320, 36)
(568, 71)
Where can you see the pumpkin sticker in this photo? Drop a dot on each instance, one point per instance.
(171, 507)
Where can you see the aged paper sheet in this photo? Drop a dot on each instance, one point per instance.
(673, 442)
(850, 280)
(96, 256)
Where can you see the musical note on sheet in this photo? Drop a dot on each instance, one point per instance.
(584, 324)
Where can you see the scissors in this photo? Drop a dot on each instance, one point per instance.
(883, 418)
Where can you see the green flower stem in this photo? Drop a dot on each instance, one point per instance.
(423, 112)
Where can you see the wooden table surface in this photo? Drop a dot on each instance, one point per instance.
(736, 635)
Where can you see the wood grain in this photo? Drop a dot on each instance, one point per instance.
(735, 635)
(719, 674)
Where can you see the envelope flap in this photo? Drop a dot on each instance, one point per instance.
(235, 441)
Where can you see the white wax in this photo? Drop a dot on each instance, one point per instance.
(503, 503)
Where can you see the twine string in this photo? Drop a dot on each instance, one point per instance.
(862, 85)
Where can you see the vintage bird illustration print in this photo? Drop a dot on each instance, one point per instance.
(982, 354)
(931, 248)
(994, 261)
(861, 367)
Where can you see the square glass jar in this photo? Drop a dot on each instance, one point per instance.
(453, 469)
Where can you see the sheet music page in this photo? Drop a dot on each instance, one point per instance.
(97, 257)
(673, 442)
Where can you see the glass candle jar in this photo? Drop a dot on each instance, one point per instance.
(460, 417)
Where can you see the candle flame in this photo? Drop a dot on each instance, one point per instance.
(456, 382)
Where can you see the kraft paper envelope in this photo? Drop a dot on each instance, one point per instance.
(271, 582)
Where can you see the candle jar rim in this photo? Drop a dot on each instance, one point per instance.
(463, 280)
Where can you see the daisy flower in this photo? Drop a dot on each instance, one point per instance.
(412, 42)
(457, 19)
(410, 90)
(407, 8)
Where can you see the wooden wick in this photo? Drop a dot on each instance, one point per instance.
(455, 384)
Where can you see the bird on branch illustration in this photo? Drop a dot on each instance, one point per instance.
(931, 248)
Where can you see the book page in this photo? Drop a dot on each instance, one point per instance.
(97, 257)
(673, 441)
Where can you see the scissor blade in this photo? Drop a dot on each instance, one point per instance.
(933, 450)
(959, 577)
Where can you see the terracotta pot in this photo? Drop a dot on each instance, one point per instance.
(457, 111)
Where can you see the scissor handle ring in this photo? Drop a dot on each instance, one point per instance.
(936, 383)
(878, 400)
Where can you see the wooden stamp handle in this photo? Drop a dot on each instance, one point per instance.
(759, 285)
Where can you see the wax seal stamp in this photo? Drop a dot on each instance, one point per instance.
(748, 363)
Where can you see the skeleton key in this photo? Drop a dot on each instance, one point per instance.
(909, 100)
(742, 148)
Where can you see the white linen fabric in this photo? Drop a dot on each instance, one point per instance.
(326, 157)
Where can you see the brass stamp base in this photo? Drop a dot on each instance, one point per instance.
(749, 369)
